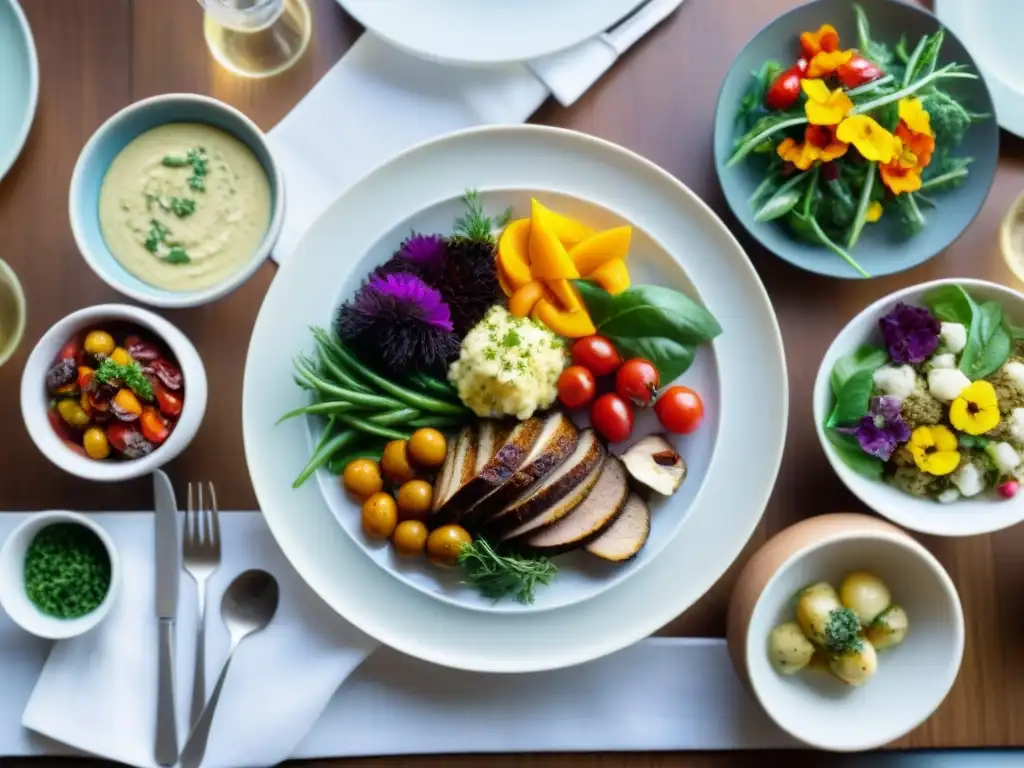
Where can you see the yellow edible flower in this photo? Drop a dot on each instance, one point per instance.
(934, 450)
(976, 411)
(874, 212)
(819, 144)
(826, 63)
(825, 107)
(871, 139)
(912, 113)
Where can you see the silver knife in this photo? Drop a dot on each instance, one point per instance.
(168, 572)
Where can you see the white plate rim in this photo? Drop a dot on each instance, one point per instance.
(1009, 104)
(600, 17)
(6, 163)
(425, 628)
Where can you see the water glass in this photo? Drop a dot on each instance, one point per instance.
(257, 38)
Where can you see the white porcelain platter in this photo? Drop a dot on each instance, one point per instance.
(485, 32)
(697, 534)
(992, 31)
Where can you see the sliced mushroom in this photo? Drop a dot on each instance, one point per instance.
(654, 463)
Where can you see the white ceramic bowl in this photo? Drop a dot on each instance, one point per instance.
(964, 517)
(13, 597)
(34, 398)
(108, 141)
(912, 679)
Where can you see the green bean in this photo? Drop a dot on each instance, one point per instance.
(322, 408)
(435, 386)
(346, 395)
(327, 360)
(407, 396)
(323, 454)
(391, 418)
(371, 428)
(439, 422)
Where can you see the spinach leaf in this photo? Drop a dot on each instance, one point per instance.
(989, 336)
(650, 321)
(779, 204)
(853, 456)
(853, 400)
(866, 358)
(951, 304)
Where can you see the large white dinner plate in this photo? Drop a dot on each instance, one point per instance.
(19, 82)
(748, 364)
(476, 32)
(992, 31)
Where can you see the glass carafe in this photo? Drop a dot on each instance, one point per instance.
(257, 38)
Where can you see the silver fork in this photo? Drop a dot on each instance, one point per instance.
(202, 557)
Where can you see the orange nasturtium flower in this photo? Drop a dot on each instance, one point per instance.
(917, 143)
(819, 144)
(976, 410)
(828, 62)
(935, 450)
(825, 107)
(825, 39)
(871, 139)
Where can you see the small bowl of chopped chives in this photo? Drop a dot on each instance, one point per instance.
(59, 574)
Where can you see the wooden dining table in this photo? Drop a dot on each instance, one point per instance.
(659, 100)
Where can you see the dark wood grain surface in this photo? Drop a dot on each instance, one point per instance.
(100, 55)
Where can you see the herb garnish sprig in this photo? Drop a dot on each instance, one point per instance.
(130, 375)
(197, 159)
(495, 575)
(475, 226)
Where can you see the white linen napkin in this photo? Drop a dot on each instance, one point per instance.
(97, 693)
(378, 101)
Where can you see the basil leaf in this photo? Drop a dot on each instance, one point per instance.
(853, 400)
(649, 321)
(989, 336)
(951, 304)
(866, 358)
(853, 456)
(996, 341)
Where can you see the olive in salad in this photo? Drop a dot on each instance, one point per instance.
(114, 393)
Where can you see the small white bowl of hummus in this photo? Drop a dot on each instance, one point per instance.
(176, 200)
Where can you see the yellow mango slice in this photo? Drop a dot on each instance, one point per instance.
(568, 231)
(566, 294)
(571, 325)
(613, 276)
(524, 299)
(514, 253)
(503, 282)
(600, 248)
(548, 258)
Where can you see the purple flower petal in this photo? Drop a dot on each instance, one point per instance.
(874, 440)
(911, 333)
(881, 431)
(422, 302)
(425, 251)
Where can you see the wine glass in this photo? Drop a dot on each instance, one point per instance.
(257, 38)
(12, 312)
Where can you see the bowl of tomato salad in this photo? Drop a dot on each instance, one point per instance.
(113, 392)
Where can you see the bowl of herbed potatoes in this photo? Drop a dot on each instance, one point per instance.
(847, 631)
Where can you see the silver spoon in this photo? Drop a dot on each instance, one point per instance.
(247, 607)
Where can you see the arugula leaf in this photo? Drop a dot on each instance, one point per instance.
(853, 456)
(945, 174)
(752, 103)
(838, 206)
(888, 116)
(922, 61)
(877, 52)
(663, 325)
(782, 201)
(806, 227)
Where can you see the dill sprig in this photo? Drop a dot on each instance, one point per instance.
(496, 575)
(475, 226)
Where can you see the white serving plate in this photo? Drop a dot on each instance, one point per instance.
(19, 75)
(992, 30)
(478, 32)
(712, 520)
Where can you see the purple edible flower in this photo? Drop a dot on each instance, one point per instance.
(425, 251)
(882, 430)
(911, 333)
(418, 300)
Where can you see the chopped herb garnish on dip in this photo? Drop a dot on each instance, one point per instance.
(157, 234)
(177, 255)
(67, 571)
(130, 375)
(197, 160)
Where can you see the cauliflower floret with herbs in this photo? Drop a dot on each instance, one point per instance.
(945, 360)
(1005, 458)
(895, 381)
(1015, 425)
(920, 409)
(948, 496)
(946, 384)
(969, 479)
(953, 337)
(1009, 389)
(1013, 370)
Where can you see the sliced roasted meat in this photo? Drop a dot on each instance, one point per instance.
(656, 464)
(564, 478)
(463, 465)
(497, 466)
(556, 510)
(556, 442)
(624, 538)
(590, 518)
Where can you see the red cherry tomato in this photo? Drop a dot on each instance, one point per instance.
(785, 89)
(680, 410)
(612, 417)
(576, 386)
(73, 350)
(596, 354)
(637, 382)
(154, 426)
(170, 403)
(858, 71)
